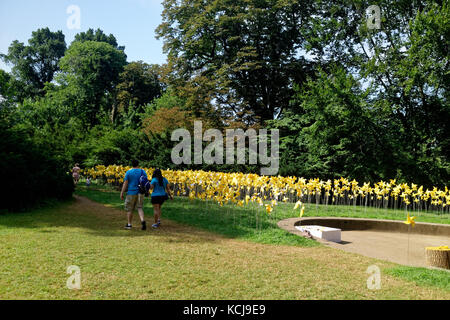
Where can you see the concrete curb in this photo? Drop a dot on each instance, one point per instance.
(347, 224)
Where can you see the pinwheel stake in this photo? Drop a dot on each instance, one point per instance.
(299, 204)
(411, 223)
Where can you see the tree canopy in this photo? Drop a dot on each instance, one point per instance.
(91, 70)
(139, 84)
(247, 50)
(35, 64)
(349, 99)
(99, 36)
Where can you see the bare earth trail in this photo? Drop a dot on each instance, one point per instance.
(180, 262)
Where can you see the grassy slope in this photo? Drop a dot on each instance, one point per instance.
(178, 261)
(422, 276)
(228, 220)
(252, 222)
(241, 223)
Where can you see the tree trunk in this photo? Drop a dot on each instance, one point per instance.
(438, 257)
(113, 113)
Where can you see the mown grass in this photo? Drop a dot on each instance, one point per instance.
(251, 222)
(248, 223)
(176, 261)
(423, 276)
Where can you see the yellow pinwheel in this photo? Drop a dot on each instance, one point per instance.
(297, 204)
(241, 188)
(410, 221)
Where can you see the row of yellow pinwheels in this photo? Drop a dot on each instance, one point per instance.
(240, 188)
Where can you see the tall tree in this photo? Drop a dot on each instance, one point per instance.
(6, 87)
(35, 64)
(240, 55)
(91, 72)
(404, 62)
(334, 131)
(139, 84)
(7, 93)
(99, 36)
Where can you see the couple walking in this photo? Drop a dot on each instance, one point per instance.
(135, 200)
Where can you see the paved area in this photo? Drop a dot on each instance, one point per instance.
(398, 247)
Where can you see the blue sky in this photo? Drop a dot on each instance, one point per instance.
(133, 23)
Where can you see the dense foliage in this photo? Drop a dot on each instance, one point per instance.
(351, 101)
(30, 171)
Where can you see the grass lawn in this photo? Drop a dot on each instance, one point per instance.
(251, 222)
(201, 252)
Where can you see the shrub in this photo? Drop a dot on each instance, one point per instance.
(30, 172)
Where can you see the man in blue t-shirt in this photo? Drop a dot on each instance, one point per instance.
(134, 199)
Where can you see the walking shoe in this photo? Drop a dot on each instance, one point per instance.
(144, 225)
(128, 227)
(155, 225)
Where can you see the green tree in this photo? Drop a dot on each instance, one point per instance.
(139, 84)
(404, 67)
(333, 131)
(45, 173)
(6, 86)
(242, 56)
(99, 36)
(35, 64)
(90, 73)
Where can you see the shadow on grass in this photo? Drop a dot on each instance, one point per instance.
(190, 216)
(230, 221)
(192, 219)
(93, 219)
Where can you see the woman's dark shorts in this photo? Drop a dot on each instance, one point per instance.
(159, 199)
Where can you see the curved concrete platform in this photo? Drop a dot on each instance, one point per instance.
(382, 239)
